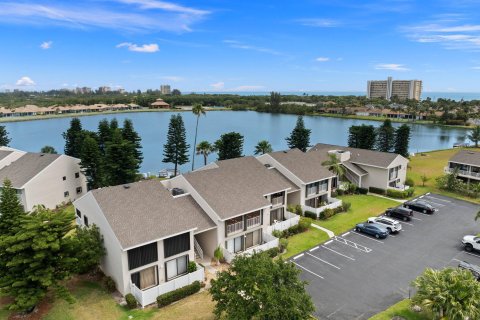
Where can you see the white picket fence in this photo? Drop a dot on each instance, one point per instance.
(292, 219)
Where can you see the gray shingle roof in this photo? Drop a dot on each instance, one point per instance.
(237, 186)
(353, 167)
(26, 167)
(359, 156)
(147, 211)
(4, 153)
(293, 186)
(306, 166)
(467, 157)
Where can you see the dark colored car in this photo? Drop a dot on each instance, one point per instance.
(420, 206)
(475, 270)
(400, 213)
(373, 229)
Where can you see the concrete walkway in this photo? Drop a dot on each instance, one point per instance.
(380, 196)
(330, 233)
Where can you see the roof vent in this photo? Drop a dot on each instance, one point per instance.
(126, 186)
(267, 165)
(177, 191)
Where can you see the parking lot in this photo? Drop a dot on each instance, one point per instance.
(354, 276)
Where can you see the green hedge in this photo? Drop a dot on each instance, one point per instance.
(131, 301)
(400, 194)
(311, 215)
(377, 190)
(175, 295)
(362, 190)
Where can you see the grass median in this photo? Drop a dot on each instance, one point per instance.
(401, 309)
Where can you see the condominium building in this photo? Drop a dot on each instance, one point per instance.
(165, 89)
(387, 89)
(104, 89)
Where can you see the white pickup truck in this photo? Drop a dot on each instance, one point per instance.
(471, 243)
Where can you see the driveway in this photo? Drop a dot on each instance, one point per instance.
(354, 276)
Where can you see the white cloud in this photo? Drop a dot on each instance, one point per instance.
(322, 59)
(391, 66)
(319, 22)
(247, 88)
(218, 85)
(25, 81)
(46, 45)
(147, 48)
(133, 15)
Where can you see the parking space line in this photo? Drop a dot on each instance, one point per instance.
(435, 203)
(352, 244)
(439, 199)
(456, 260)
(357, 233)
(299, 256)
(473, 254)
(416, 218)
(333, 313)
(329, 241)
(313, 249)
(340, 254)
(326, 262)
(391, 235)
(301, 267)
(345, 234)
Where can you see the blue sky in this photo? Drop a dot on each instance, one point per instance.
(220, 45)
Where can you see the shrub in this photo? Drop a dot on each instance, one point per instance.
(283, 243)
(351, 188)
(340, 192)
(273, 252)
(291, 208)
(338, 209)
(409, 182)
(218, 253)
(192, 267)
(298, 210)
(346, 206)
(131, 301)
(377, 190)
(292, 230)
(277, 234)
(304, 224)
(399, 194)
(311, 215)
(175, 295)
(109, 284)
(334, 194)
(327, 213)
(362, 190)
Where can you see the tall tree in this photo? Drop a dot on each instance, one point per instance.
(4, 139)
(197, 110)
(258, 287)
(229, 146)
(300, 136)
(92, 163)
(474, 135)
(448, 294)
(205, 148)
(113, 124)
(48, 149)
(263, 147)
(11, 210)
(385, 136)
(275, 100)
(86, 245)
(362, 137)
(120, 163)
(176, 149)
(334, 165)
(104, 134)
(402, 140)
(73, 138)
(129, 134)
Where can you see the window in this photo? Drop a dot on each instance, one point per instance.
(77, 174)
(146, 278)
(253, 219)
(79, 213)
(233, 225)
(277, 198)
(176, 245)
(276, 215)
(79, 190)
(66, 194)
(143, 255)
(85, 221)
(176, 267)
(64, 178)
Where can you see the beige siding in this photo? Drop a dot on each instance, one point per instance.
(376, 177)
(402, 173)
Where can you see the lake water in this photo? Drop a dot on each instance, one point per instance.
(153, 126)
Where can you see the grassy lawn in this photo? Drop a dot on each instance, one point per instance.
(431, 164)
(363, 207)
(303, 241)
(403, 310)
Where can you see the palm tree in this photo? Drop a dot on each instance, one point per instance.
(334, 165)
(263, 147)
(205, 148)
(197, 110)
(474, 135)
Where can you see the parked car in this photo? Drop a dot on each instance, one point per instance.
(471, 243)
(400, 213)
(475, 270)
(374, 229)
(393, 226)
(420, 206)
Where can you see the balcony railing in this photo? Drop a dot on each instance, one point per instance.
(234, 227)
(269, 242)
(277, 201)
(149, 296)
(291, 219)
(332, 203)
(253, 222)
(463, 172)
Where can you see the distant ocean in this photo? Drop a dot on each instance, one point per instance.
(433, 95)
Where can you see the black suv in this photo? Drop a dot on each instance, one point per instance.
(400, 213)
(420, 206)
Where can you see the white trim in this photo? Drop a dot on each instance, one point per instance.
(250, 211)
(281, 165)
(198, 232)
(159, 239)
(467, 164)
(283, 190)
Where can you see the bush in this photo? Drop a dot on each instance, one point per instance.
(175, 295)
(131, 301)
(409, 182)
(346, 206)
(218, 253)
(362, 190)
(298, 210)
(311, 215)
(292, 230)
(192, 267)
(338, 210)
(283, 243)
(109, 284)
(304, 224)
(377, 190)
(327, 213)
(334, 194)
(352, 188)
(400, 194)
(277, 234)
(273, 252)
(340, 192)
(291, 208)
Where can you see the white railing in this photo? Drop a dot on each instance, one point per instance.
(332, 204)
(149, 296)
(277, 201)
(463, 172)
(235, 227)
(252, 222)
(269, 242)
(400, 187)
(198, 249)
(291, 219)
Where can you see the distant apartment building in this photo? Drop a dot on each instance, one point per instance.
(165, 89)
(104, 89)
(387, 89)
(83, 90)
